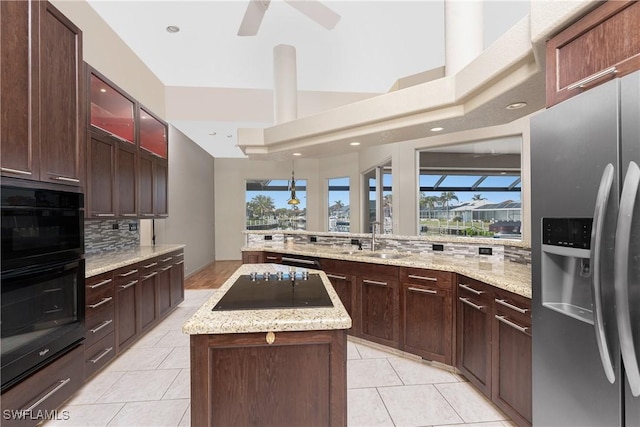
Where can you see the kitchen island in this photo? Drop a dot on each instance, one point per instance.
(269, 366)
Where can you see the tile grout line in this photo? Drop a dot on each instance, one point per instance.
(385, 407)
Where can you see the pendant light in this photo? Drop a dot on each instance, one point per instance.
(292, 187)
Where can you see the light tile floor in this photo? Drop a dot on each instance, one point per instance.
(148, 385)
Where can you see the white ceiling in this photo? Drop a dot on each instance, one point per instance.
(374, 44)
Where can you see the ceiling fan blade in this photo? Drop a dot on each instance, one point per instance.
(316, 11)
(253, 17)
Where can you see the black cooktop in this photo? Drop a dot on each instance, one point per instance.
(271, 291)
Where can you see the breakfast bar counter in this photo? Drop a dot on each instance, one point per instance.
(270, 365)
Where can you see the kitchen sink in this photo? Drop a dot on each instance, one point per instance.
(383, 255)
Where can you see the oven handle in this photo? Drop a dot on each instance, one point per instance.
(61, 383)
(57, 267)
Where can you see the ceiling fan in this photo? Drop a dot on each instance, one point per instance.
(314, 9)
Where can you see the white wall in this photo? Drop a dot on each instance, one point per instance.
(191, 203)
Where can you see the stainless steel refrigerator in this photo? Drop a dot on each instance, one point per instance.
(585, 247)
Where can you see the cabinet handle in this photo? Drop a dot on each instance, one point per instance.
(469, 303)
(272, 258)
(103, 301)
(102, 325)
(153, 264)
(64, 178)
(424, 291)
(103, 354)
(18, 171)
(592, 78)
(470, 289)
(104, 215)
(163, 215)
(147, 214)
(166, 259)
(104, 282)
(301, 261)
(128, 285)
(180, 262)
(180, 254)
(333, 276)
(431, 279)
(506, 321)
(128, 273)
(374, 282)
(129, 215)
(149, 275)
(61, 383)
(511, 306)
(169, 267)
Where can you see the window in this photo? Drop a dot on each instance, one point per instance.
(267, 207)
(339, 211)
(471, 190)
(378, 199)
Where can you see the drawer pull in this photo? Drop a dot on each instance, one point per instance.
(128, 285)
(129, 215)
(153, 264)
(424, 291)
(511, 306)
(592, 78)
(470, 289)
(333, 276)
(18, 171)
(431, 279)
(180, 254)
(301, 261)
(147, 214)
(374, 282)
(104, 215)
(103, 301)
(128, 273)
(506, 321)
(102, 325)
(149, 275)
(166, 259)
(103, 354)
(104, 282)
(169, 267)
(273, 258)
(179, 262)
(64, 178)
(469, 303)
(61, 383)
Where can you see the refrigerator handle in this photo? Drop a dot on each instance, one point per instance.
(598, 228)
(621, 276)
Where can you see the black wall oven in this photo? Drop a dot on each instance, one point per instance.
(42, 278)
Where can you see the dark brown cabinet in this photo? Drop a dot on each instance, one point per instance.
(427, 313)
(378, 297)
(252, 257)
(165, 266)
(127, 180)
(474, 332)
(41, 86)
(177, 278)
(127, 290)
(148, 293)
(340, 274)
(101, 167)
(602, 45)
(511, 368)
(100, 322)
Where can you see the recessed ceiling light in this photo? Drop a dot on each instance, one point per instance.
(103, 90)
(354, 143)
(143, 117)
(229, 136)
(436, 129)
(297, 154)
(516, 105)
(212, 133)
(173, 29)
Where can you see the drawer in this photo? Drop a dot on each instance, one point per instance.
(99, 354)
(514, 307)
(99, 322)
(272, 257)
(97, 286)
(46, 389)
(97, 297)
(125, 274)
(425, 277)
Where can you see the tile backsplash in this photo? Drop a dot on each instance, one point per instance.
(107, 235)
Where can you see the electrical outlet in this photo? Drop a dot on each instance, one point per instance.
(313, 239)
(437, 248)
(133, 226)
(268, 237)
(485, 251)
(115, 226)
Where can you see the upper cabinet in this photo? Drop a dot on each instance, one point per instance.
(42, 91)
(604, 44)
(127, 159)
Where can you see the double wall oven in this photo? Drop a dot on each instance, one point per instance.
(42, 277)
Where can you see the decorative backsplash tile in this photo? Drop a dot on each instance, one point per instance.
(499, 252)
(106, 235)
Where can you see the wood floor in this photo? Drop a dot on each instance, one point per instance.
(212, 276)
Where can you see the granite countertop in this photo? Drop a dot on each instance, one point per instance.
(207, 321)
(506, 275)
(107, 261)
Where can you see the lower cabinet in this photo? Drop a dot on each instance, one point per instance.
(340, 274)
(378, 300)
(127, 308)
(177, 279)
(44, 391)
(100, 322)
(427, 314)
(252, 257)
(148, 293)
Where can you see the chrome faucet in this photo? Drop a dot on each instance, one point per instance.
(373, 235)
